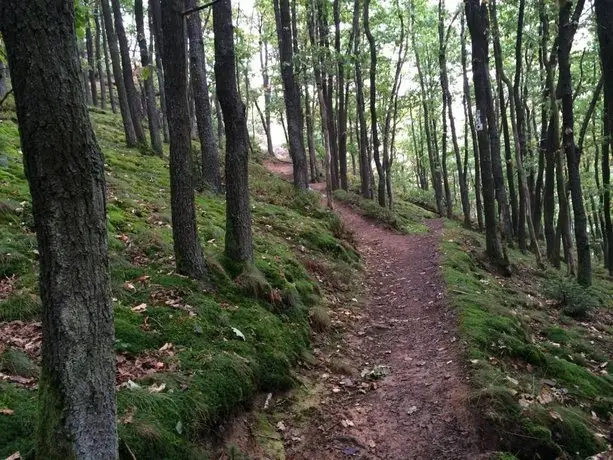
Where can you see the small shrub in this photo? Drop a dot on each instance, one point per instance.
(574, 300)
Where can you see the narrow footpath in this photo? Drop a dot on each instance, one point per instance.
(417, 406)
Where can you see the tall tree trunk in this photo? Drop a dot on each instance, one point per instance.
(208, 145)
(239, 246)
(152, 114)
(292, 95)
(373, 105)
(91, 62)
(126, 65)
(365, 171)
(435, 170)
(266, 87)
(566, 34)
(124, 107)
(468, 111)
(65, 170)
(604, 20)
(342, 104)
(99, 58)
(155, 22)
(521, 152)
(309, 136)
(477, 19)
(188, 252)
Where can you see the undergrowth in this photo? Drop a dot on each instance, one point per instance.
(215, 349)
(405, 217)
(539, 348)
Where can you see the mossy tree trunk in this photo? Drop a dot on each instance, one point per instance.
(65, 170)
(188, 252)
(238, 245)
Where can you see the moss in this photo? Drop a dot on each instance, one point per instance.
(16, 362)
(214, 371)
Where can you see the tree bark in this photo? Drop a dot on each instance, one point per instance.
(126, 65)
(107, 65)
(99, 58)
(188, 252)
(155, 20)
(206, 134)
(65, 170)
(152, 114)
(566, 34)
(373, 106)
(91, 62)
(239, 246)
(266, 87)
(292, 95)
(604, 21)
(477, 19)
(342, 103)
(124, 107)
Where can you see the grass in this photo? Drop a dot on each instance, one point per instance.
(217, 349)
(405, 216)
(540, 377)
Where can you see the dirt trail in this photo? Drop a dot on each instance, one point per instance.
(420, 409)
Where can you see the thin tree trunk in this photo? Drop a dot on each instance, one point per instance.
(188, 252)
(309, 136)
(200, 86)
(155, 20)
(124, 107)
(477, 19)
(292, 95)
(342, 103)
(91, 62)
(238, 244)
(266, 87)
(149, 91)
(65, 170)
(566, 34)
(99, 58)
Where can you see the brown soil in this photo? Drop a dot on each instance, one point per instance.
(415, 404)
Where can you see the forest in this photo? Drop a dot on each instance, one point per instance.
(306, 229)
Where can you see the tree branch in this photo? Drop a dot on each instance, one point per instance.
(198, 8)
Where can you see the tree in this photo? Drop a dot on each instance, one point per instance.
(604, 21)
(292, 94)
(238, 245)
(99, 57)
(65, 170)
(566, 33)
(200, 87)
(188, 252)
(478, 24)
(152, 116)
(122, 96)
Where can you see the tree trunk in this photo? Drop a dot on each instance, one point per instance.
(200, 85)
(126, 65)
(124, 108)
(477, 19)
(65, 171)
(364, 163)
(468, 111)
(188, 252)
(292, 95)
(373, 105)
(107, 65)
(266, 87)
(99, 58)
(152, 115)
(155, 23)
(604, 20)
(239, 246)
(309, 136)
(91, 62)
(566, 33)
(342, 103)
(435, 171)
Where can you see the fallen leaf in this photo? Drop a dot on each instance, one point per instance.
(140, 308)
(129, 286)
(157, 388)
(513, 381)
(238, 333)
(553, 414)
(15, 456)
(179, 427)
(7, 411)
(346, 423)
(412, 410)
(372, 444)
(281, 426)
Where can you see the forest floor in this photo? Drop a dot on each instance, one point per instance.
(392, 385)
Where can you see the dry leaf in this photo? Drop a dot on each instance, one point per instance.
(140, 308)
(372, 444)
(281, 426)
(7, 411)
(15, 456)
(157, 388)
(412, 410)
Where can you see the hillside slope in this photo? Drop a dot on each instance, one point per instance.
(187, 357)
